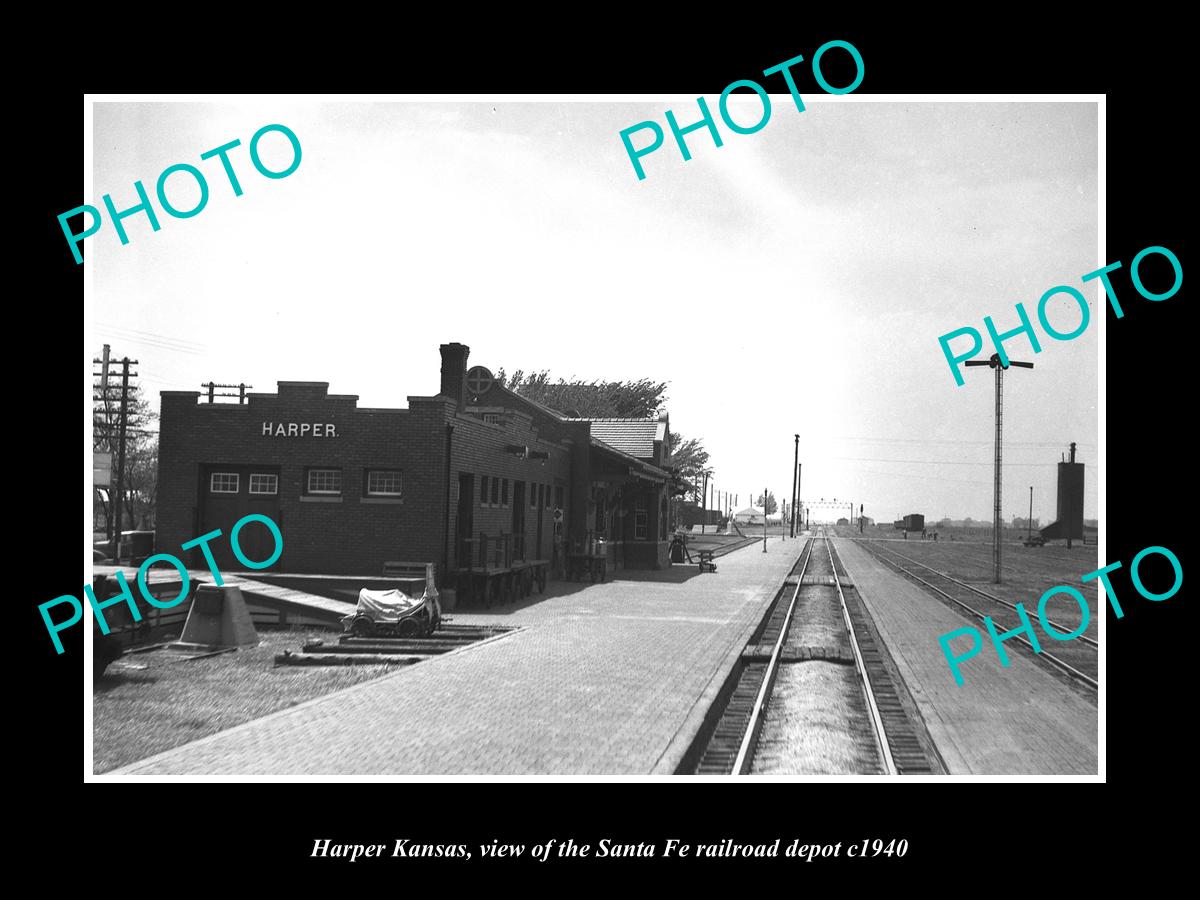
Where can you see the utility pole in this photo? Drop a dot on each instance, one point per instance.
(795, 465)
(104, 371)
(120, 495)
(704, 502)
(764, 520)
(799, 479)
(108, 520)
(996, 364)
(1029, 535)
(114, 536)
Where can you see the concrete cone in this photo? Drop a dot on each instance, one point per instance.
(219, 618)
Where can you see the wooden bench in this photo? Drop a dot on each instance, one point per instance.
(707, 564)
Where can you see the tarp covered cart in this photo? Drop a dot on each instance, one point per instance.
(395, 613)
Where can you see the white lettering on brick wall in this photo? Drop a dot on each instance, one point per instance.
(298, 429)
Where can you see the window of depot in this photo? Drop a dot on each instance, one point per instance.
(495, 491)
(264, 483)
(385, 483)
(224, 482)
(641, 519)
(483, 490)
(504, 492)
(546, 496)
(327, 482)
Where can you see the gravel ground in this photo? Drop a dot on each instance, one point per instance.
(816, 724)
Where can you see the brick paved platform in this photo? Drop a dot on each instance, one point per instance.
(604, 679)
(1019, 720)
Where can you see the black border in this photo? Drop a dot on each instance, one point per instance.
(1138, 64)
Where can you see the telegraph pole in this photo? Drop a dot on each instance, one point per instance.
(105, 363)
(120, 494)
(795, 464)
(1029, 522)
(764, 520)
(996, 364)
(108, 520)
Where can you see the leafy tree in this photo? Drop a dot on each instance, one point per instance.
(641, 399)
(594, 399)
(689, 457)
(768, 504)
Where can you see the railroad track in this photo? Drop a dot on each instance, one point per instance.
(1077, 658)
(975, 589)
(1041, 561)
(795, 632)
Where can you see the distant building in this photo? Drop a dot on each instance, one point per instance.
(751, 515)
(843, 521)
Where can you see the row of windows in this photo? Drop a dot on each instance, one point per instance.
(498, 493)
(320, 482)
(494, 491)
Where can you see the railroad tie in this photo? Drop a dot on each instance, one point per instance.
(794, 653)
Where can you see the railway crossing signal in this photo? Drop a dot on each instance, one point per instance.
(999, 366)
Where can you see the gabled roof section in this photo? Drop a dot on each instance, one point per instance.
(634, 437)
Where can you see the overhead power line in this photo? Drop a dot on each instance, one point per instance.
(935, 462)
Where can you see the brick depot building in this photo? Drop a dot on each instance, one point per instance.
(352, 488)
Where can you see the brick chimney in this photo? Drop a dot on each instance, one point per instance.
(454, 372)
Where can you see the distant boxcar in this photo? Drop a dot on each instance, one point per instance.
(914, 522)
(898, 525)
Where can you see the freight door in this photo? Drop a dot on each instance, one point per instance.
(229, 493)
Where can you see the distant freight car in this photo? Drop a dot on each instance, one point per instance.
(914, 522)
(898, 525)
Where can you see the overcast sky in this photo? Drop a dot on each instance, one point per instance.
(793, 280)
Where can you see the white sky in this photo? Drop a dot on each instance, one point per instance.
(793, 280)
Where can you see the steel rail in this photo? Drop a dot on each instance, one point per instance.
(876, 719)
(1041, 558)
(1083, 638)
(1049, 657)
(742, 761)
